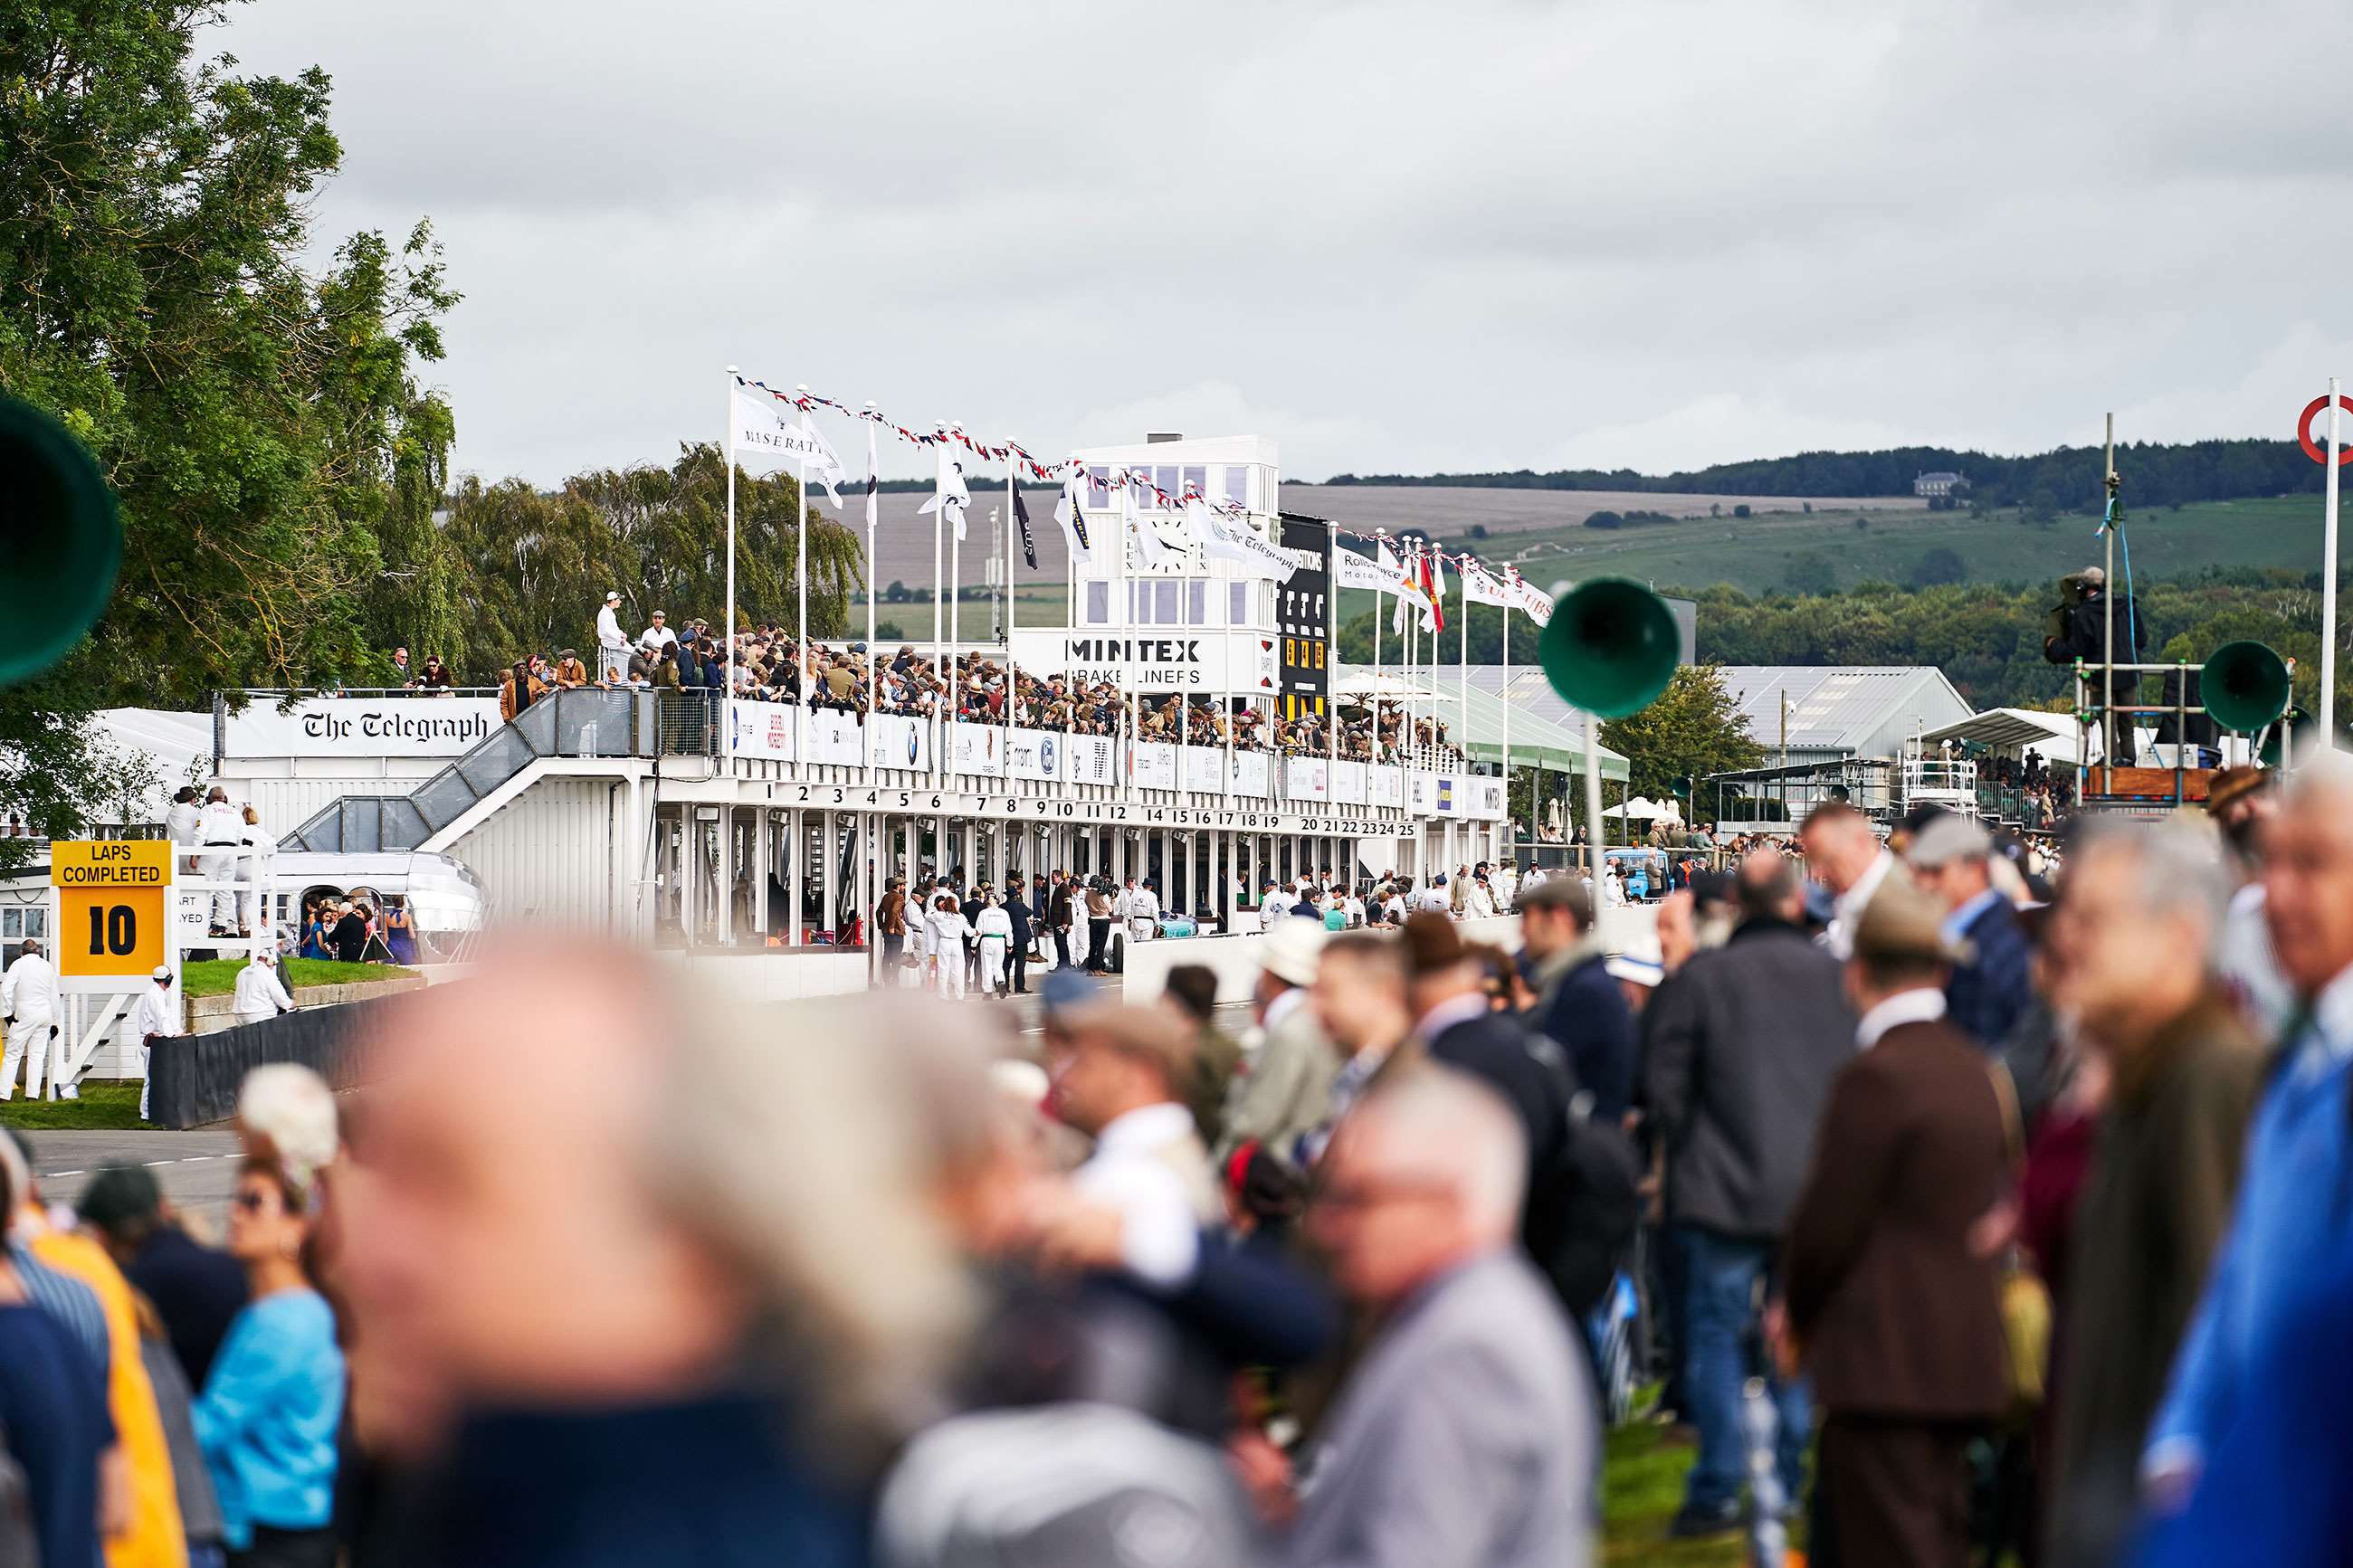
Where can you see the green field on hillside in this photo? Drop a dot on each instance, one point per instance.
(1758, 553)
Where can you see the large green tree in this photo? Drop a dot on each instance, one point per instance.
(1692, 730)
(537, 565)
(277, 458)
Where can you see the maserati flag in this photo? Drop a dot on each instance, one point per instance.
(949, 496)
(765, 442)
(1021, 516)
(1070, 512)
(825, 466)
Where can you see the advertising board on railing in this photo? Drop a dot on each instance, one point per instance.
(360, 726)
(1091, 759)
(1388, 786)
(1349, 785)
(1205, 769)
(1035, 754)
(1253, 776)
(1305, 778)
(762, 731)
(976, 749)
(900, 741)
(831, 735)
(1155, 764)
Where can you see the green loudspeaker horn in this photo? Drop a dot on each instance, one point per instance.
(1610, 647)
(2245, 686)
(60, 543)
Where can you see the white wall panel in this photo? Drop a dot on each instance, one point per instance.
(546, 856)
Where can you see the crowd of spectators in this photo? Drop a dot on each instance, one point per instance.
(1973, 1209)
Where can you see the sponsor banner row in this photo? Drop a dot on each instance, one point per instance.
(1444, 794)
(362, 727)
(1085, 813)
(782, 733)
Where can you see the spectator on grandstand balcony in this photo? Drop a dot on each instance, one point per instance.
(402, 676)
(1992, 983)
(612, 644)
(657, 635)
(571, 675)
(436, 677)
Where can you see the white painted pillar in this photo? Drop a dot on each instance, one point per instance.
(796, 874)
(763, 857)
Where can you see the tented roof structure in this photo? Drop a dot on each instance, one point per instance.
(1538, 739)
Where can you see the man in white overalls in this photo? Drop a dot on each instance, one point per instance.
(993, 932)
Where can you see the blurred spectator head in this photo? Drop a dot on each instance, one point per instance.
(1288, 957)
(1359, 992)
(1950, 859)
(270, 1215)
(1109, 1059)
(1425, 1174)
(2309, 874)
(1194, 988)
(675, 1201)
(286, 1112)
(1899, 944)
(1439, 963)
(1261, 1190)
(2242, 800)
(1768, 887)
(123, 1204)
(1554, 914)
(2143, 910)
(1839, 844)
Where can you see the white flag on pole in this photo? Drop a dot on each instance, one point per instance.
(1222, 538)
(765, 441)
(873, 480)
(1070, 512)
(1480, 588)
(1408, 589)
(1534, 602)
(949, 497)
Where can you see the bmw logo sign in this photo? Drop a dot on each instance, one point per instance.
(914, 744)
(1045, 753)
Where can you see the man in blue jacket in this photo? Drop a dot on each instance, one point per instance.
(1952, 859)
(2246, 1458)
(1578, 1006)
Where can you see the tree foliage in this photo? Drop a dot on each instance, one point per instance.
(1692, 731)
(263, 424)
(538, 565)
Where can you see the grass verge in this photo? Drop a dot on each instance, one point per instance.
(217, 977)
(105, 1106)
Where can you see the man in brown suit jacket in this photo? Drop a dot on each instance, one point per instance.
(1894, 1309)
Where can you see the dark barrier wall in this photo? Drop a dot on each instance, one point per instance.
(195, 1078)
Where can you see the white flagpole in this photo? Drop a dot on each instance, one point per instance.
(728, 696)
(1332, 667)
(1510, 581)
(1462, 736)
(873, 566)
(1128, 526)
(956, 605)
(1378, 537)
(1011, 523)
(2327, 590)
(939, 659)
(800, 567)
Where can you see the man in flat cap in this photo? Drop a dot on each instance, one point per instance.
(1892, 1298)
(1992, 982)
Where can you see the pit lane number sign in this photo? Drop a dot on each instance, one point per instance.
(110, 896)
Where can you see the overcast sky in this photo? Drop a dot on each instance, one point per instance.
(1396, 238)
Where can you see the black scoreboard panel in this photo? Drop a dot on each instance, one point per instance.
(1302, 615)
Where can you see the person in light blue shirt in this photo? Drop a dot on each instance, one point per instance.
(267, 1418)
(2238, 1442)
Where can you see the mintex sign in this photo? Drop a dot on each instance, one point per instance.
(1207, 662)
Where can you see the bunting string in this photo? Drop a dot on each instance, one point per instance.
(1111, 480)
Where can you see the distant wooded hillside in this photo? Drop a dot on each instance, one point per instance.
(2064, 480)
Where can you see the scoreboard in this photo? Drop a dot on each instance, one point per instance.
(111, 898)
